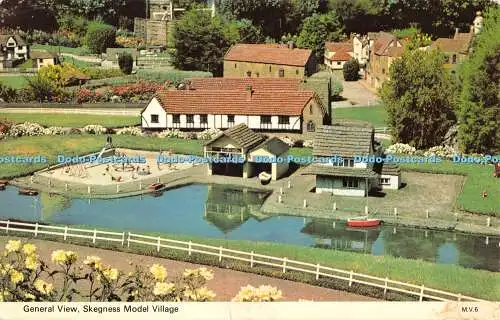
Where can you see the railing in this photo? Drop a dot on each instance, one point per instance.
(284, 264)
(382, 130)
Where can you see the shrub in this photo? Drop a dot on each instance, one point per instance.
(40, 88)
(53, 131)
(440, 151)
(208, 134)
(94, 129)
(351, 70)
(171, 134)
(84, 95)
(260, 294)
(126, 62)
(99, 37)
(5, 126)
(190, 136)
(7, 94)
(337, 89)
(100, 73)
(26, 129)
(132, 131)
(401, 148)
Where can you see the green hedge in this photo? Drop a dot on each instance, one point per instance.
(100, 36)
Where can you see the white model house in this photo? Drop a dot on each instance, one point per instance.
(13, 49)
(337, 54)
(299, 111)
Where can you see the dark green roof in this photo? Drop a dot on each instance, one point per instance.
(343, 140)
(273, 145)
(334, 171)
(241, 134)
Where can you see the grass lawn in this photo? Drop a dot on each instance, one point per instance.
(376, 115)
(71, 120)
(80, 51)
(452, 278)
(478, 178)
(16, 82)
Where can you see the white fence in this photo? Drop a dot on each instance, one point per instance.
(223, 253)
(382, 130)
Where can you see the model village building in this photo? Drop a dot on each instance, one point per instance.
(239, 142)
(13, 50)
(347, 177)
(268, 61)
(262, 104)
(337, 54)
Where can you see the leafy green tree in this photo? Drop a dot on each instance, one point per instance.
(41, 88)
(27, 14)
(419, 99)
(243, 31)
(100, 36)
(200, 42)
(360, 16)
(351, 70)
(7, 93)
(318, 29)
(126, 62)
(479, 104)
(269, 14)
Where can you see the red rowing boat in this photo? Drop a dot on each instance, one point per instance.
(363, 222)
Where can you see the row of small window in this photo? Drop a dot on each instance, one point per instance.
(350, 182)
(176, 118)
(281, 72)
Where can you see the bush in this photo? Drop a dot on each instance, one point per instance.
(84, 95)
(99, 37)
(94, 129)
(208, 134)
(7, 94)
(351, 70)
(40, 88)
(75, 24)
(171, 134)
(190, 136)
(440, 151)
(126, 62)
(5, 126)
(401, 148)
(100, 73)
(337, 89)
(132, 131)
(26, 129)
(53, 131)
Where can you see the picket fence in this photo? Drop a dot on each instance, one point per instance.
(252, 258)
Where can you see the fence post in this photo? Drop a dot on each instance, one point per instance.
(305, 203)
(335, 206)
(284, 264)
(128, 240)
(158, 180)
(281, 190)
(65, 233)
(140, 185)
(189, 248)
(350, 278)
(220, 253)
(427, 214)
(395, 212)
(95, 235)
(280, 199)
(251, 259)
(117, 188)
(88, 190)
(385, 286)
(366, 210)
(317, 271)
(421, 293)
(459, 297)
(8, 222)
(123, 239)
(289, 184)
(488, 222)
(158, 245)
(36, 229)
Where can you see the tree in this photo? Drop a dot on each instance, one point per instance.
(360, 16)
(318, 29)
(479, 104)
(200, 43)
(419, 99)
(126, 62)
(100, 36)
(351, 70)
(242, 31)
(41, 88)
(27, 14)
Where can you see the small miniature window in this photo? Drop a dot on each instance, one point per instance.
(311, 127)
(203, 118)
(189, 118)
(176, 118)
(230, 119)
(281, 73)
(154, 118)
(249, 74)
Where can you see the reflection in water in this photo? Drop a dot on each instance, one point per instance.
(233, 213)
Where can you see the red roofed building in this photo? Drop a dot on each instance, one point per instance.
(268, 84)
(337, 53)
(268, 61)
(299, 111)
(384, 49)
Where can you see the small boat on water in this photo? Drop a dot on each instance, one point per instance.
(28, 192)
(264, 177)
(156, 186)
(363, 222)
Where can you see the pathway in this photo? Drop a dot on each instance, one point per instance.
(226, 282)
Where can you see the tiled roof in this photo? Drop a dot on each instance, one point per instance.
(395, 52)
(389, 168)
(383, 42)
(336, 171)
(241, 134)
(42, 55)
(269, 84)
(236, 102)
(452, 45)
(271, 54)
(19, 41)
(340, 51)
(343, 140)
(274, 146)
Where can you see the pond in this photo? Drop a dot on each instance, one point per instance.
(233, 213)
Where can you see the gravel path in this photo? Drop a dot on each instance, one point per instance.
(226, 283)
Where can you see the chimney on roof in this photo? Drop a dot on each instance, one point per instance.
(249, 92)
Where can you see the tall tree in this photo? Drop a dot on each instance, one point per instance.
(419, 99)
(360, 16)
(200, 42)
(242, 31)
(27, 14)
(479, 105)
(318, 29)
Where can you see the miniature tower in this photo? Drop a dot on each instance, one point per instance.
(478, 22)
